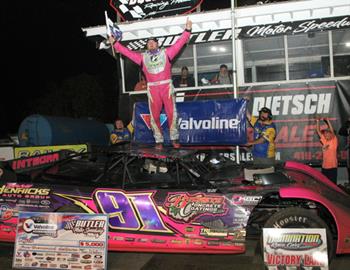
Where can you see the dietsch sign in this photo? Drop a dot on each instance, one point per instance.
(143, 9)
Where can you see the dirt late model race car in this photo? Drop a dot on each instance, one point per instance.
(170, 201)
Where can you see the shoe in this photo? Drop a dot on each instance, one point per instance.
(159, 146)
(175, 143)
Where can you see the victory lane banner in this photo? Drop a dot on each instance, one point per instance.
(61, 241)
(295, 248)
(208, 122)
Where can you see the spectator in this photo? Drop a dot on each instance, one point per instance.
(120, 133)
(185, 80)
(156, 65)
(223, 77)
(264, 137)
(141, 85)
(345, 131)
(329, 143)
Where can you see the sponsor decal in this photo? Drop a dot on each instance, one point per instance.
(22, 189)
(37, 226)
(87, 227)
(142, 9)
(185, 207)
(5, 212)
(30, 162)
(213, 232)
(212, 123)
(295, 247)
(146, 118)
(245, 200)
(298, 27)
(294, 241)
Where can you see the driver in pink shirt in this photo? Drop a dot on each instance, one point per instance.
(156, 65)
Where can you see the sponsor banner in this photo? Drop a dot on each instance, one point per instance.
(80, 241)
(21, 152)
(295, 108)
(293, 28)
(130, 10)
(209, 122)
(196, 38)
(295, 248)
(201, 36)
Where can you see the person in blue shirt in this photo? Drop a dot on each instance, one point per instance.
(264, 150)
(120, 133)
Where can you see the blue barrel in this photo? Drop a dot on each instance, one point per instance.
(38, 129)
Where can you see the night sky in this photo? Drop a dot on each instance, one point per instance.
(43, 44)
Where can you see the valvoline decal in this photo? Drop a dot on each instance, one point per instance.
(208, 122)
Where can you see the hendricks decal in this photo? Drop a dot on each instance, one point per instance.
(196, 38)
(294, 241)
(292, 28)
(183, 206)
(141, 9)
(23, 190)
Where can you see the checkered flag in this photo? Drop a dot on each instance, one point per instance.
(136, 12)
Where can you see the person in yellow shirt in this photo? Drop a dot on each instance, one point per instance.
(120, 133)
(264, 137)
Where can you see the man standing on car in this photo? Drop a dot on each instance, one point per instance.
(264, 137)
(156, 65)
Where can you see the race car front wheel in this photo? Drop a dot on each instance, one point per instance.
(295, 217)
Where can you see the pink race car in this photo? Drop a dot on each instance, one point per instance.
(169, 201)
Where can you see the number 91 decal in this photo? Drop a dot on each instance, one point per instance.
(130, 211)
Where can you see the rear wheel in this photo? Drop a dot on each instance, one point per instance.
(295, 217)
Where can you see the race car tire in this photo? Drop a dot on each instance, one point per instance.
(295, 217)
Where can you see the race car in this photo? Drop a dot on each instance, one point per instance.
(173, 200)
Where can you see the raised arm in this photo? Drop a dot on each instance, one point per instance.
(318, 130)
(133, 56)
(181, 41)
(329, 125)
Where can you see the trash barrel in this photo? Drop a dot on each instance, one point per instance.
(39, 129)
